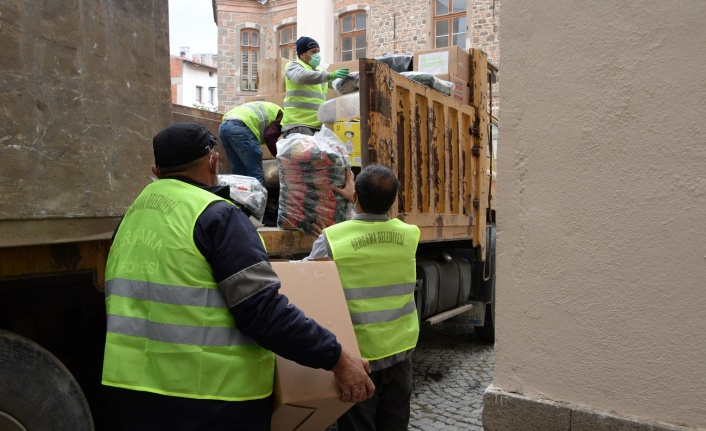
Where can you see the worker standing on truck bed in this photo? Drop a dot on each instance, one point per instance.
(244, 129)
(375, 257)
(306, 87)
(193, 309)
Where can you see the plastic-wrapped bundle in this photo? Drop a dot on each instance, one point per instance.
(397, 62)
(342, 108)
(246, 191)
(431, 81)
(308, 168)
(347, 85)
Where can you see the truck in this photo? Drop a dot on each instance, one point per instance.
(85, 88)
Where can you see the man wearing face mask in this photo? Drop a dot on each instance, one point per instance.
(306, 86)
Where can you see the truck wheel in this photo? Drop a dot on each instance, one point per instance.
(37, 392)
(487, 331)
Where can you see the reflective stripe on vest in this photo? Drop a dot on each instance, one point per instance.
(259, 110)
(376, 263)
(306, 99)
(265, 113)
(169, 328)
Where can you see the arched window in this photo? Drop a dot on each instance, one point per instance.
(353, 43)
(450, 23)
(249, 52)
(288, 41)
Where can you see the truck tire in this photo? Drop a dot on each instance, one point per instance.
(487, 331)
(37, 392)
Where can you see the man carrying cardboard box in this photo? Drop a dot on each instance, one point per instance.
(193, 309)
(375, 258)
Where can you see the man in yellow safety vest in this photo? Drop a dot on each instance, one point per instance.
(194, 317)
(375, 257)
(306, 85)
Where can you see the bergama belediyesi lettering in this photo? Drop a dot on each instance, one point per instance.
(382, 237)
(163, 204)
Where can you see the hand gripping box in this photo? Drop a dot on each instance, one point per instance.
(307, 399)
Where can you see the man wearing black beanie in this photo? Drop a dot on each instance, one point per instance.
(306, 86)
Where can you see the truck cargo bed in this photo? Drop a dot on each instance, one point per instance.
(435, 144)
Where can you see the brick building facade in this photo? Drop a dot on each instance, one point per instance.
(391, 27)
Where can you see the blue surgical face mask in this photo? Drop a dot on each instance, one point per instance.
(315, 60)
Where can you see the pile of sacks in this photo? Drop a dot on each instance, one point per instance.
(308, 168)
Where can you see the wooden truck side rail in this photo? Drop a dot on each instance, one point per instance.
(435, 144)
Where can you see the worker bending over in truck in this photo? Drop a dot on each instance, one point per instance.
(375, 257)
(306, 86)
(244, 129)
(193, 309)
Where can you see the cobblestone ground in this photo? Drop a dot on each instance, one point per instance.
(452, 368)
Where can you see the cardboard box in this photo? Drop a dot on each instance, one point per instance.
(461, 91)
(270, 75)
(308, 399)
(349, 133)
(440, 61)
(277, 98)
(352, 65)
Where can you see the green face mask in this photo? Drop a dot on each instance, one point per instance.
(315, 61)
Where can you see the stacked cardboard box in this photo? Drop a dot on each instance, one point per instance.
(270, 75)
(451, 64)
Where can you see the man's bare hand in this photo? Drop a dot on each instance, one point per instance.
(351, 373)
(348, 190)
(318, 227)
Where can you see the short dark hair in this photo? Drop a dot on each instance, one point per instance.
(376, 187)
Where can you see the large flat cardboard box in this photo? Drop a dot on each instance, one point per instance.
(451, 60)
(352, 65)
(349, 133)
(461, 91)
(307, 399)
(270, 75)
(274, 98)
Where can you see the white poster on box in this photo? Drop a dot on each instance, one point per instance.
(434, 62)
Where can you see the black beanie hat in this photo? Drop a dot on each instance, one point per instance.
(181, 143)
(304, 44)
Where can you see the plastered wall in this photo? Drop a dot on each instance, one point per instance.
(601, 288)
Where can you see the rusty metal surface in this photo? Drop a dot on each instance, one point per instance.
(425, 137)
(49, 260)
(286, 242)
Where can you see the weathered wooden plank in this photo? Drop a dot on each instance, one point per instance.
(428, 139)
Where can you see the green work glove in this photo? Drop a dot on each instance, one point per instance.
(340, 73)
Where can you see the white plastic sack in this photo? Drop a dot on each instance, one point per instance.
(430, 81)
(246, 191)
(342, 108)
(347, 85)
